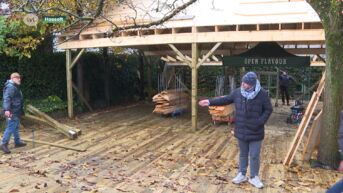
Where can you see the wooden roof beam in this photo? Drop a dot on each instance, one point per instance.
(165, 59)
(183, 58)
(227, 52)
(212, 63)
(209, 54)
(215, 58)
(205, 37)
(171, 58)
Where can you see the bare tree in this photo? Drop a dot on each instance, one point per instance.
(331, 15)
(83, 13)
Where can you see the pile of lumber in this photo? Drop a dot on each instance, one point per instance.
(39, 117)
(221, 111)
(170, 101)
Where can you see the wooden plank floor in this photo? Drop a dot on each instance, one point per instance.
(132, 150)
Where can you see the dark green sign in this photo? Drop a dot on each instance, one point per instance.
(266, 61)
(267, 54)
(54, 19)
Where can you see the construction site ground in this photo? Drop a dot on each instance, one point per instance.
(129, 149)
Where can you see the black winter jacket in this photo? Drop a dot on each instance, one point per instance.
(250, 115)
(340, 136)
(12, 99)
(284, 80)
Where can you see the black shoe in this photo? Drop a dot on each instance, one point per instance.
(5, 149)
(21, 144)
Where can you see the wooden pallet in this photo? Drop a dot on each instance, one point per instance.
(304, 123)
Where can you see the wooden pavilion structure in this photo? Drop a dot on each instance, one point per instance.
(201, 35)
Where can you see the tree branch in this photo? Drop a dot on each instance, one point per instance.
(158, 22)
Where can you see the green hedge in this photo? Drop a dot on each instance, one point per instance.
(44, 75)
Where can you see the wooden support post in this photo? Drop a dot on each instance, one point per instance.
(76, 58)
(69, 84)
(195, 56)
(82, 97)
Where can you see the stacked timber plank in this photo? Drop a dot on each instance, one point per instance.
(42, 118)
(222, 113)
(170, 101)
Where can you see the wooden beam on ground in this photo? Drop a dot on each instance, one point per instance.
(195, 56)
(313, 137)
(301, 130)
(83, 99)
(209, 54)
(180, 54)
(76, 58)
(69, 84)
(70, 132)
(304, 123)
(54, 145)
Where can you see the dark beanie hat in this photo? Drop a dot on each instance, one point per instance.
(250, 78)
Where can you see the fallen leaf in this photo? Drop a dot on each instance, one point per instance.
(305, 184)
(67, 177)
(279, 183)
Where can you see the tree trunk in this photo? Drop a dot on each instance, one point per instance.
(149, 77)
(333, 104)
(332, 19)
(80, 77)
(107, 77)
(141, 74)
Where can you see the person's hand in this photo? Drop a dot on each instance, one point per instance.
(8, 114)
(340, 169)
(204, 103)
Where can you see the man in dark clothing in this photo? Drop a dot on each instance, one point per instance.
(252, 110)
(338, 187)
(284, 81)
(13, 109)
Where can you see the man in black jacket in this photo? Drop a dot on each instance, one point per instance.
(13, 109)
(253, 108)
(284, 80)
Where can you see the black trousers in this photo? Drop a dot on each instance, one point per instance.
(284, 92)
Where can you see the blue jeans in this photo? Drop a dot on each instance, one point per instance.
(250, 149)
(336, 188)
(12, 128)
